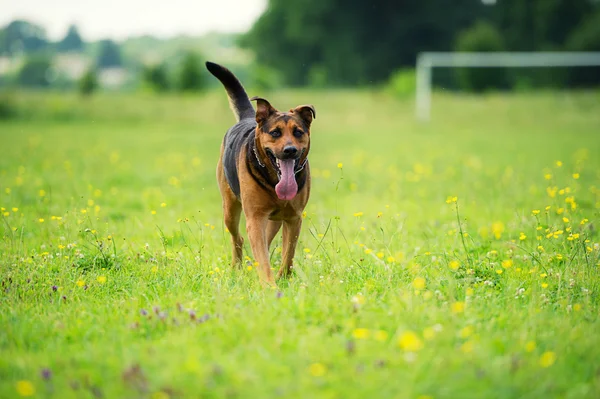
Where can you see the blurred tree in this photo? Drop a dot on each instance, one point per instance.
(88, 83)
(358, 42)
(585, 38)
(536, 25)
(109, 55)
(190, 74)
(353, 41)
(35, 72)
(22, 36)
(71, 42)
(481, 37)
(156, 77)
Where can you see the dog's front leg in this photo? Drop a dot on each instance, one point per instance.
(256, 226)
(291, 232)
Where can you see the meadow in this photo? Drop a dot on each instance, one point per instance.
(453, 259)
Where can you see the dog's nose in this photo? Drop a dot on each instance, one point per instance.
(290, 151)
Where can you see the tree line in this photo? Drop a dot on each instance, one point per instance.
(355, 42)
(27, 41)
(328, 43)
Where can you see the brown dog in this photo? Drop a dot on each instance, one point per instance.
(263, 169)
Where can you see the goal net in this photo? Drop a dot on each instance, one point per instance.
(428, 60)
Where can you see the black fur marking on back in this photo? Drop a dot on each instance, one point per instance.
(237, 136)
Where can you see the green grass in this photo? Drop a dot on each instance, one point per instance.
(115, 272)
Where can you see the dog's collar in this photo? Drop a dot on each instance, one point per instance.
(262, 165)
(297, 170)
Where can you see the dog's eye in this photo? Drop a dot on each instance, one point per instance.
(298, 133)
(275, 133)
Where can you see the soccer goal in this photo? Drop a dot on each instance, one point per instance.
(428, 60)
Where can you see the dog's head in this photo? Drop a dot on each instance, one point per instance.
(283, 138)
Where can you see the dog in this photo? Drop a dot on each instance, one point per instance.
(263, 170)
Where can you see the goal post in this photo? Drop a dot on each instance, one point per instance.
(426, 61)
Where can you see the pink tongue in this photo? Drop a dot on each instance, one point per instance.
(287, 187)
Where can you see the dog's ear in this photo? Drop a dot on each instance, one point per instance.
(306, 112)
(263, 109)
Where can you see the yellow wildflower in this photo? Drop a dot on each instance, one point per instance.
(410, 342)
(530, 346)
(466, 331)
(381, 335)
(467, 347)
(547, 359)
(317, 369)
(419, 283)
(25, 388)
(451, 200)
(457, 307)
(361, 333)
(497, 229)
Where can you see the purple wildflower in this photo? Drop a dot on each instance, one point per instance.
(46, 373)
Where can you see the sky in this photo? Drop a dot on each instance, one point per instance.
(118, 19)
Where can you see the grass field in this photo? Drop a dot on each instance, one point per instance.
(455, 259)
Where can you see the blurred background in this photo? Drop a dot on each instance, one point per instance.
(131, 45)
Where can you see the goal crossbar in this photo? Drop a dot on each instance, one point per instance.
(428, 60)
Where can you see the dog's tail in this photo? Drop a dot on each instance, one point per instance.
(238, 98)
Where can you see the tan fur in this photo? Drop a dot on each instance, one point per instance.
(265, 213)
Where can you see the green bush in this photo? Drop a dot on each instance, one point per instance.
(8, 106)
(402, 83)
(88, 82)
(190, 74)
(156, 77)
(481, 37)
(35, 72)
